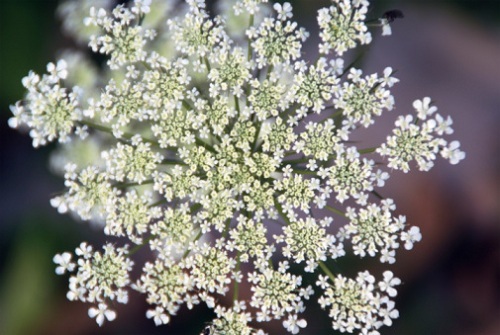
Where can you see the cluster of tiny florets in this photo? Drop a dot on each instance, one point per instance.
(342, 26)
(412, 141)
(101, 278)
(374, 230)
(209, 140)
(359, 304)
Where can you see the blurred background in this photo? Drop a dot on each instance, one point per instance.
(449, 50)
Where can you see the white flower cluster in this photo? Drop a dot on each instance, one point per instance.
(221, 152)
(101, 278)
(420, 143)
(374, 230)
(360, 304)
(49, 110)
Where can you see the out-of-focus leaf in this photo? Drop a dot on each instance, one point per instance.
(28, 283)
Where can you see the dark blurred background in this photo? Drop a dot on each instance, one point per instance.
(449, 50)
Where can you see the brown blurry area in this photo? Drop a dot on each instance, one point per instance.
(451, 280)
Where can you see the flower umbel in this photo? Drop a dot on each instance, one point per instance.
(220, 149)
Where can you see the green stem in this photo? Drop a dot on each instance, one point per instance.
(295, 161)
(280, 210)
(159, 202)
(306, 172)
(250, 24)
(205, 144)
(326, 271)
(258, 125)
(237, 104)
(334, 115)
(367, 150)
(146, 65)
(226, 228)
(187, 252)
(195, 208)
(290, 153)
(139, 246)
(207, 64)
(141, 19)
(172, 162)
(108, 130)
(336, 211)
(269, 71)
(236, 283)
(123, 185)
(375, 193)
(186, 105)
(358, 58)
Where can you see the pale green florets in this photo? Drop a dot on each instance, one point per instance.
(342, 26)
(244, 135)
(249, 239)
(373, 230)
(351, 176)
(131, 216)
(276, 42)
(231, 71)
(412, 141)
(231, 322)
(359, 305)
(195, 34)
(179, 184)
(101, 278)
(203, 148)
(173, 128)
(231, 172)
(297, 192)
(165, 87)
(89, 193)
(211, 269)
(278, 137)
(119, 104)
(198, 158)
(122, 40)
(166, 286)
(49, 110)
(134, 163)
(262, 165)
(267, 98)
(319, 140)
(313, 85)
(259, 198)
(275, 293)
(173, 233)
(306, 240)
(106, 274)
(218, 208)
(250, 6)
(218, 114)
(363, 98)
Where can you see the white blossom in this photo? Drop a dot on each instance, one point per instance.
(195, 140)
(64, 262)
(102, 313)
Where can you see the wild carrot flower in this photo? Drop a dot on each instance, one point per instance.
(213, 148)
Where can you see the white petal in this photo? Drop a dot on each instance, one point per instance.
(150, 313)
(99, 319)
(110, 315)
(302, 323)
(93, 312)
